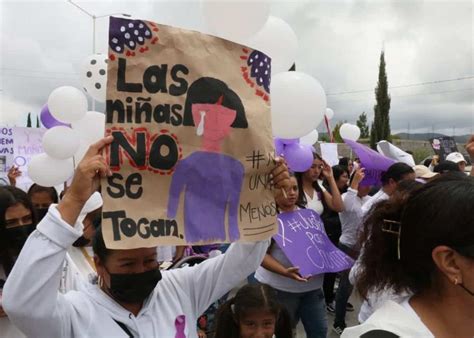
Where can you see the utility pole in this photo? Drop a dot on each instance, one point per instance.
(94, 17)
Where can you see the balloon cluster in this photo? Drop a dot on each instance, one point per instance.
(298, 100)
(71, 129)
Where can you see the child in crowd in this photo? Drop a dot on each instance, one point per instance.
(253, 312)
(301, 295)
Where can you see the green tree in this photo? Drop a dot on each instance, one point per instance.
(363, 126)
(28, 121)
(381, 125)
(324, 138)
(335, 132)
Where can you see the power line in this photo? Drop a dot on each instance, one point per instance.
(38, 77)
(35, 71)
(404, 86)
(419, 94)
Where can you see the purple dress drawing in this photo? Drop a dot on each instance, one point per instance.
(211, 184)
(211, 181)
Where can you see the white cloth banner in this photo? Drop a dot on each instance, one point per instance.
(387, 149)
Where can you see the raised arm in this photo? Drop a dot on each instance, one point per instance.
(333, 199)
(30, 296)
(350, 197)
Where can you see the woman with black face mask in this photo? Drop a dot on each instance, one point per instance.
(41, 198)
(132, 298)
(17, 221)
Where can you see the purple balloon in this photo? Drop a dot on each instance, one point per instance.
(298, 156)
(48, 120)
(281, 143)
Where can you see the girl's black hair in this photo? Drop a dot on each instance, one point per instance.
(251, 297)
(210, 90)
(344, 161)
(446, 167)
(35, 188)
(396, 172)
(438, 213)
(427, 162)
(9, 196)
(337, 171)
(299, 178)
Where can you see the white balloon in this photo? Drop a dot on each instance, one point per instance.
(60, 142)
(90, 130)
(48, 172)
(311, 138)
(298, 104)
(94, 76)
(67, 104)
(277, 40)
(349, 132)
(235, 20)
(329, 113)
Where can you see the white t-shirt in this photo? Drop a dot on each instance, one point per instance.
(351, 217)
(378, 197)
(315, 203)
(406, 305)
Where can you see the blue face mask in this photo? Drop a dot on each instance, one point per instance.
(133, 287)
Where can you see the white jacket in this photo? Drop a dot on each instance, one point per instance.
(34, 305)
(394, 318)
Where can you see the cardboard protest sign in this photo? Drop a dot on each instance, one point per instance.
(193, 146)
(389, 150)
(373, 162)
(6, 153)
(302, 238)
(17, 146)
(443, 146)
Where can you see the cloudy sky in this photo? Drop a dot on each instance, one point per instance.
(43, 44)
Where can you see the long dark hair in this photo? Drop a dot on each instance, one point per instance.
(35, 188)
(259, 297)
(438, 213)
(337, 171)
(301, 196)
(396, 172)
(9, 196)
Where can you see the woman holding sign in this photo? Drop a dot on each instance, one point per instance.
(302, 296)
(132, 298)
